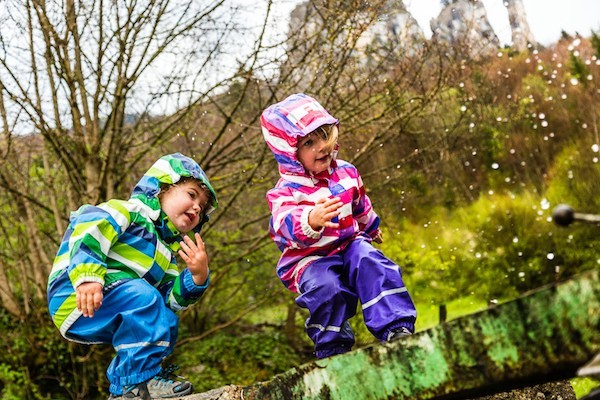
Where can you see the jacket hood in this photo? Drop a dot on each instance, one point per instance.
(284, 123)
(170, 169)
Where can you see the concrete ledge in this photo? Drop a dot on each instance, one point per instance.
(541, 337)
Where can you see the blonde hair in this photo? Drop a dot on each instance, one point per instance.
(327, 134)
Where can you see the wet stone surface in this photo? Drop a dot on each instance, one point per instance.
(548, 391)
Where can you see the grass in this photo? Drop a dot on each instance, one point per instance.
(428, 315)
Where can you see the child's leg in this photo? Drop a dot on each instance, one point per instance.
(330, 303)
(134, 319)
(386, 303)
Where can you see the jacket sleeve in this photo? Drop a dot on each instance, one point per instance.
(368, 220)
(94, 231)
(289, 226)
(179, 288)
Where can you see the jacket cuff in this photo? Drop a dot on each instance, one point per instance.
(87, 279)
(191, 287)
(306, 228)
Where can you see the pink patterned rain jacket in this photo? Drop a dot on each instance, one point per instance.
(297, 191)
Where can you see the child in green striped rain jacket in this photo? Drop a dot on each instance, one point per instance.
(115, 277)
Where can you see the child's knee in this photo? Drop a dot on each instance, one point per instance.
(137, 292)
(321, 282)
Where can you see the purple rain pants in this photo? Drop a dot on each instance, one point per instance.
(331, 287)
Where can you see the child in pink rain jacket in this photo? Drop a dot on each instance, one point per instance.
(324, 223)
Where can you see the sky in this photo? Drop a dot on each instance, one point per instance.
(547, 18)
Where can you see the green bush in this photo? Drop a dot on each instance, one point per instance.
(226, 358)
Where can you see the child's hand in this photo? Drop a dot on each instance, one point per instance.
(378, 238)
(89, 298)
(194, 255)
(325, 209)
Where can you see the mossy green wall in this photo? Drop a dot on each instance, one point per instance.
(547, 333)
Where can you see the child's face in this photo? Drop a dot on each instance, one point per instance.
(184, 204)
(314, 153)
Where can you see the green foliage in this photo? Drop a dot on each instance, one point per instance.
(574, 177)
(235, 357)
(596, 44)
(578, 69)
(16, 383)
(37, 363)
(583, 386)
(496, 248)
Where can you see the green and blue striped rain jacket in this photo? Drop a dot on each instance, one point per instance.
(126, 239)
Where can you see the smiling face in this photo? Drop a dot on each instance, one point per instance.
(315, 149)
(185, 204)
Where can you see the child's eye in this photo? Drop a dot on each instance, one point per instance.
(308, 143)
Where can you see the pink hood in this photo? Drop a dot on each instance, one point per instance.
(284, 123)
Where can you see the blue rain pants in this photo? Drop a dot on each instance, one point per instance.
(331, 287)
(141, 328)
